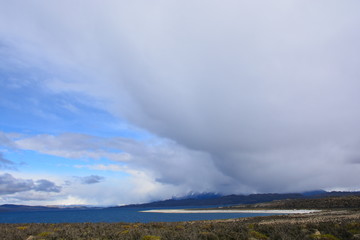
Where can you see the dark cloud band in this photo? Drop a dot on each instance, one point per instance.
(11, 185)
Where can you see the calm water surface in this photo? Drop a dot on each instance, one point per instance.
(113, 215)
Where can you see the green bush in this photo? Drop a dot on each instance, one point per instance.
(258, 235)
(150, 237)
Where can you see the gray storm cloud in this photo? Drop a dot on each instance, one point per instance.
(268, 92)
(92, 179)
(11, 185)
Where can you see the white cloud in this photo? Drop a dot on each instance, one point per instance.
(71, 145)
(103, 167)
(5, 141)
(164, 161)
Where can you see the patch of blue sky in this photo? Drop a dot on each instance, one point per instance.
(29, 107)
(35, 162)
(32, 161)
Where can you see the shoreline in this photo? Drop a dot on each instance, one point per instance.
(275, 211)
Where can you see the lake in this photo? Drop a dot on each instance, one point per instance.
(113, 215)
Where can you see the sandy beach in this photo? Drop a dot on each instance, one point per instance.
(275, 211)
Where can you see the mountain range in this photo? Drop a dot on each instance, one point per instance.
(194, 200)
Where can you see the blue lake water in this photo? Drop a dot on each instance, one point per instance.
(113, 215)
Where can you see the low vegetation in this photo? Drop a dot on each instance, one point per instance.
(328, 225)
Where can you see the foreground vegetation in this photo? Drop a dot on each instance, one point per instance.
(340, 220)
(327, 225)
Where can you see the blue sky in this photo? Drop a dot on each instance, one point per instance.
(30, 109)
(128, 102)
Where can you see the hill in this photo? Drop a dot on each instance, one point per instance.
(25, 208)
(335, 202)
(239, 199)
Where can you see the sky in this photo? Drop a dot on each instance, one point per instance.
(118, 102)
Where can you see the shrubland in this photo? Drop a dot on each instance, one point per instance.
(327, 226)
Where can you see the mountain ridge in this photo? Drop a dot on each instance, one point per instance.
(195, 200)
(239, 199)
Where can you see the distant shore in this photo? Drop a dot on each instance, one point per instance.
(275, 211)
